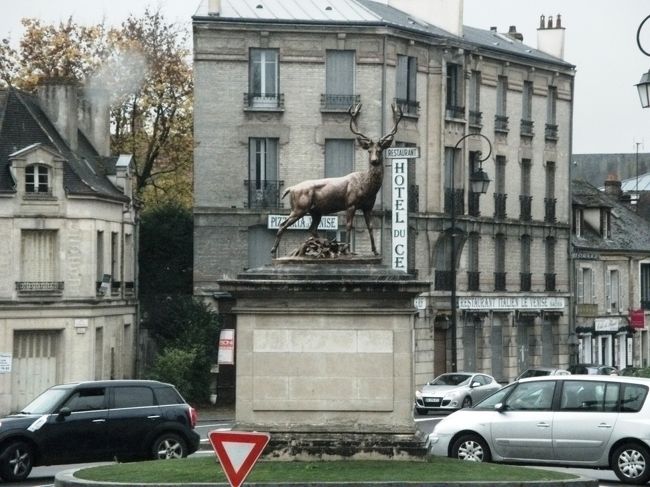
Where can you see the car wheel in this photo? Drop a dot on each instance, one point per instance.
(16, 461)
(631, 463)
(168, 446)
(421, 411)
(471, 448)
(467, 402)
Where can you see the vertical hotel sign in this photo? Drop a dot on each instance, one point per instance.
(400, 157)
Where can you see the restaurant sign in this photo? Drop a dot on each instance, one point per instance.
(510, 303)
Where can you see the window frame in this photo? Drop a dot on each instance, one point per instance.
(259, 96)
(38, 179)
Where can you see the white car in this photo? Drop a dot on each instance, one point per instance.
(454, 390)
(582, 421)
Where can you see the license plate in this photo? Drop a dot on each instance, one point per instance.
(432, 402)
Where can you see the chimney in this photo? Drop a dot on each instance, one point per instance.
(58, 99)
(513, 34)
(550, 38)
(94, 119)
(613, 186)
(446, 14)
(214, 7)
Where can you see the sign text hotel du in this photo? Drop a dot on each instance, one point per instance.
(505, 302)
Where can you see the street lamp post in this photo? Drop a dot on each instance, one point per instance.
(479, 182)
(644, 85)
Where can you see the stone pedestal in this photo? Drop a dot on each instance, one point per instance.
(324, 347)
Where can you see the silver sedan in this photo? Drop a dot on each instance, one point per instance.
(455, 390)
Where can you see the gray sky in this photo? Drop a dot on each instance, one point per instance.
(600, 41)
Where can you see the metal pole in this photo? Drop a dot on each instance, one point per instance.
(452, 304)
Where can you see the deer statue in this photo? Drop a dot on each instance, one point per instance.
(355, 191)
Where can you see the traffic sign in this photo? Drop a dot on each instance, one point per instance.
(237, 452)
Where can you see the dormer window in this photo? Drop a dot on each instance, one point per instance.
(37, 179)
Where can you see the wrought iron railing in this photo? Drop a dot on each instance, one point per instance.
(337, 103)
(474, 203)
(442, 280)
(549, 210)
(39, 286)
(457, 197)
(475, 119)
(455, 112)
(473, 280)
(525, 205)
(499, 281)
(526, 129)
(263, 193)
(550, 133)
(501, 123)
(525, 281)
(410, 108)
(549, 280)
(39, 195)
(500, 205)
(264, 101)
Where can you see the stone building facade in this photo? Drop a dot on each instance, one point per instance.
(68, 226)
(272, 90)
(611, 262)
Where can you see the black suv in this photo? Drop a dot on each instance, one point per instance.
(95, 421)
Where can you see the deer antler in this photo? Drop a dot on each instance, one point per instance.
(397, 115)
(354, 113)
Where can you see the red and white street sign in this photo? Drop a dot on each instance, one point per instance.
(237, 452)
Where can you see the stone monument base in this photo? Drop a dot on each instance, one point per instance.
(324, 355)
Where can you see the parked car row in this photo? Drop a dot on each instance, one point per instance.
(590, 420)
(95, 421)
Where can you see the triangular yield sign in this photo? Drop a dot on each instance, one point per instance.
(237, 452)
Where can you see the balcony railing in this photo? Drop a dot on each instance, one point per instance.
(458, 200)
(474, 204)
(475, 119)
(272, 102)
(526, 129)
(525, 281)
(455, 112)
(263, 193)
(550, 133)
(500, 205)
(473, 280)
(499, 281)
(40, 287)
(549, 281)
(442, 280)
(39, 195)
(337, 103)
(501, 123)
(549, 210)
(414, 198)
(525, 208)
(410, 108)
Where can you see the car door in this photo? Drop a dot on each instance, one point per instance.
(523, 430)
(487, 386)
(584, 421)
(79, 434)
(132, 418)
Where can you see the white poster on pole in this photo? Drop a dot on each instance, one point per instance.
(226, 355)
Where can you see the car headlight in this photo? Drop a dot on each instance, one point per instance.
(418, 394)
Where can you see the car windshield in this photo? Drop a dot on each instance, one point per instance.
(451, 380)
(534, 373)
(46, 402)
(491, 401)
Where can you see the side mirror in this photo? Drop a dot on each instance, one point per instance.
(475, 384)
(499, 407)
(65, 412)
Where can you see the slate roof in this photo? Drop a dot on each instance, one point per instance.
(23, 123)
(359, 12)
(629, 231)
